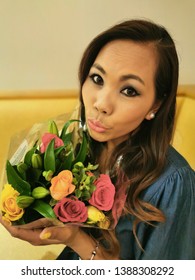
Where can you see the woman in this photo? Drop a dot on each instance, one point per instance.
(128, 80)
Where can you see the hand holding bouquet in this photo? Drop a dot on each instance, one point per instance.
(54, 180)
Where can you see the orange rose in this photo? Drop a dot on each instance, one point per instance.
(61, 185)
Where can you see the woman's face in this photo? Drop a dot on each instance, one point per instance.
(119, 91)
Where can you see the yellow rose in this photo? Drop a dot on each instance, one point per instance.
(104, 223)
(94, 215)
(8, 204)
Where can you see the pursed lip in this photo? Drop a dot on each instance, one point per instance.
(96, 125)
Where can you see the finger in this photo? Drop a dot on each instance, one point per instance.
(62, 234)
(41, 223)
(4, 223)
(30, 235)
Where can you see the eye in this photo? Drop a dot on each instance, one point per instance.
(97, 79)
(130, 92)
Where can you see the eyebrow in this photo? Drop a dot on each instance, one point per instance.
(122, 78)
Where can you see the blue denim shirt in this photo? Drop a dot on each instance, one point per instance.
(174, 194)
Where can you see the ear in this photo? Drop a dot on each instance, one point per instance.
(151, 114)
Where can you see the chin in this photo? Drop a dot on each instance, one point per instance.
(98, 137)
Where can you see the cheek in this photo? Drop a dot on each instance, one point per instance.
(88, 93)
(129, 120)
(88, 100)
(136, 111)
(85, 95)
(131, 114)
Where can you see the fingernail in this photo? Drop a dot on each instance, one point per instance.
(45, 235)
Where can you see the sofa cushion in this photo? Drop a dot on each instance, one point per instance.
(184, 134)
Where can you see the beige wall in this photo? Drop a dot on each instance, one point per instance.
(42, 40)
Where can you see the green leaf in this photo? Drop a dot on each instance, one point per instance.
(49, 157)
(23, 187)
(82, 151)
(67, 163)
(58, 150)
(91, 167)
(68, 138)
(92, 188)
(86, 195)
(64, 129)
(33, 174)
(43, 208)
(21, 169)
(78, 193)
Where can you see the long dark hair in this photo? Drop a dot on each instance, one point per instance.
(144, 153)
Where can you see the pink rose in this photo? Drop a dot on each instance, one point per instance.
(71, 210)
(103, 196)
(46, 139)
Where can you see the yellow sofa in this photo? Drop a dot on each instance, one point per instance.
(184, 135)
(20, 110)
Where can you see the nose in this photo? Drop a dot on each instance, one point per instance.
(104, 102)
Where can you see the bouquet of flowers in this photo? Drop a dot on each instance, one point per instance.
(54, 180)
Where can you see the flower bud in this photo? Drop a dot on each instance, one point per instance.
(40, 192)
(36, 161)
(75, 170)
(68, 148)
(22, 167)
(24, 201)
(78, 165)
(94, 215)
(52, 128)
(48, 175)
(88, 180)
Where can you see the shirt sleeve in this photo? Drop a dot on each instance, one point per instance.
(175, 238)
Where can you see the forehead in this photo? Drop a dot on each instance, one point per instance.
(128, 55)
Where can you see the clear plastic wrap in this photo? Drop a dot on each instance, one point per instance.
(48, 175)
